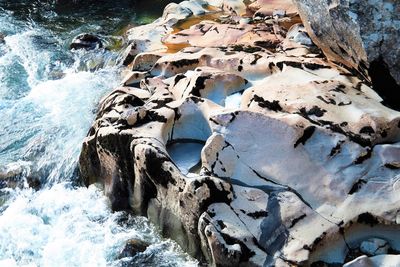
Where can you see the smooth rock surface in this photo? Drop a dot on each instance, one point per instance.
(299, 159)
(374, 246)
(377, 261)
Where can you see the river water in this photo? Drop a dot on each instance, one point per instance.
(48, 98)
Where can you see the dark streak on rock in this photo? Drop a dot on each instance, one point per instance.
(315, 66)
(336, 149)
(178, 78)
(216, 195)
(329, 101)
(357, 186)
(392, 166)
(221, 224)
(256, 58)
(315, 110)
(274, 105)
(367, 130)
(154, 168)
(200, 85)
(246, 252)
(296, 220)
(339, 89)
(367, 218)
(308, 132)
(293, 64)
(257, 214)
(363, 157)
(184, 62)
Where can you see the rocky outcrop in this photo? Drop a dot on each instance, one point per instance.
(248, 148)
(363, 35)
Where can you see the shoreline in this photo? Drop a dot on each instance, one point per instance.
(291, 143)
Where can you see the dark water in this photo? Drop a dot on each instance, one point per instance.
(48, 97)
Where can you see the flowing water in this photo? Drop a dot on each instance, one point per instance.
(48, 97)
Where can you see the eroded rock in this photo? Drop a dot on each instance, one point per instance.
(295, 160)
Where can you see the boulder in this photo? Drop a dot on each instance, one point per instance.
(133, 247)
(2, 36)
(363, 35)
(87, 41)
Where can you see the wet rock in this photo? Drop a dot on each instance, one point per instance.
(87, 41)
(374, 246)
(2, 36)
(10, 180)
(133, 247)
(298, 156)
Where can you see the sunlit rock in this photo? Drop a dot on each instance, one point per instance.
(246, 145)
(360, 34)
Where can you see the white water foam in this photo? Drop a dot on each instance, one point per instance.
(46, 108)
(63, 226)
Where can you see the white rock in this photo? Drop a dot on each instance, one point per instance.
(377, 261)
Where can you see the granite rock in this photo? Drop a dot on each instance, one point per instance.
(363, 35)
(247, 155)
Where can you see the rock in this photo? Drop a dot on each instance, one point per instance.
(209, 83)
(148, 38)
(374, 246)
(133, 247)
(293, 159)
(266, 8)
(212, 34)
(2, 36)
(376, 261)
(298, 34)
(236, 7)
(18, 175)
(362, 35)
(250, 62)
(133, 78)
(87, 41)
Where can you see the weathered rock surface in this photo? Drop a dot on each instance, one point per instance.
(375, 246)
(360, 34)
(299, 161)
(377, 261)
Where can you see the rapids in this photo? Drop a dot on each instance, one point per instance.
(48, 99)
